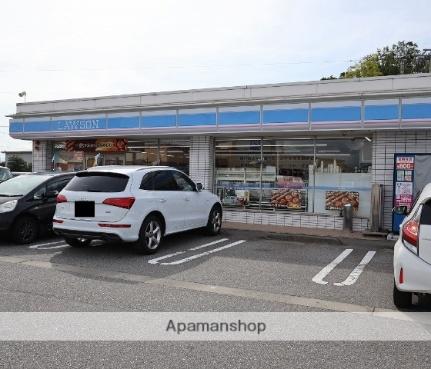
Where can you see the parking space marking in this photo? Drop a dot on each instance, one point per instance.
(208, 244)
(35, 246)
(199, 287)
(193, 257)
(318, 278)
(53, 247)
(353, 277)
(156, 260)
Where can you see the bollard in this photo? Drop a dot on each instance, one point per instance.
(348, 217)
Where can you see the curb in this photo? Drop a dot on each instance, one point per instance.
(335, 241)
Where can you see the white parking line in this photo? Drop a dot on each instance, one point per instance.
(353, 277)
(156, 260)
(53, 247)
(208, 244)
(318, 278)
(193, 257)
(45, 244)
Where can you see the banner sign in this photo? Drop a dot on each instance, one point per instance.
(100, 145)
(111, 145)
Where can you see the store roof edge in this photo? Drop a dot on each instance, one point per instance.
(384, 92)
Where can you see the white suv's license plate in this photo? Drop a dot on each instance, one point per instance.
(84, 209)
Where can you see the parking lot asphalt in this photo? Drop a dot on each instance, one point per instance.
(234, 271)
(243, 260)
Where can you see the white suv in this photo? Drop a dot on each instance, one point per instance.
(133, 204)
(412, 252)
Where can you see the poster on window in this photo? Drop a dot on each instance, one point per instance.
(335, 200)
(403, 188)
(404, 194)
(289, 199)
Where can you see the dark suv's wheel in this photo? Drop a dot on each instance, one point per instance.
(150, 236)
(402, 300)
(77, 242)
(214, 221)
(25, 230)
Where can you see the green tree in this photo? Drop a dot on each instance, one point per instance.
(403, 57)
(367, 67)
(17, 164)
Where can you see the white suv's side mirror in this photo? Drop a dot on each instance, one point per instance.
(199, 187)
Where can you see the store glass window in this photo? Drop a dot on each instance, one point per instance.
(342, 175)
(68, 161)
(143, 152)
(310, 175)
(238, 172)
(286, 173)
(175, 153)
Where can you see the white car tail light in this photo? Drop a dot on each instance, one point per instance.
(121, 202)
(410, 233)
(61, 198)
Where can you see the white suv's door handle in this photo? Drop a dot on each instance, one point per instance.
(162, 200)
(187, 198)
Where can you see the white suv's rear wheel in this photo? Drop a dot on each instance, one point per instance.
(150, 236)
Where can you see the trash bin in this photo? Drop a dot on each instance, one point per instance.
(348, 217)
(398, 215)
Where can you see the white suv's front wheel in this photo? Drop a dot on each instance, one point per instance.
(150, 236)
(214, 221)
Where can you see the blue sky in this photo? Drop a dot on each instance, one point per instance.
(64, 49)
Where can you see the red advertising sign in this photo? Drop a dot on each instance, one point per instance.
(111, 145)
(100, 145)
(405, 162)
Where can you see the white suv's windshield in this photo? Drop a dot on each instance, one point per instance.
(21, 185)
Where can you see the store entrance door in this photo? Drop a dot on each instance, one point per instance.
(89, 160)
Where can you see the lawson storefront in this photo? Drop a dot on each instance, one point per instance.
(287, 154)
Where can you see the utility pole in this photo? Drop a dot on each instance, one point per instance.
(427, 52)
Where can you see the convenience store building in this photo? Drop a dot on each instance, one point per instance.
(287, 154)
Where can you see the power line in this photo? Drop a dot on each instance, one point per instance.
(183, 66)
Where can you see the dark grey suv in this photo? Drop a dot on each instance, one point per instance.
(5, 174)
(27, 203)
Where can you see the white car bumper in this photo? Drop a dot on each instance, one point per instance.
(92, 230)
(417, 272)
